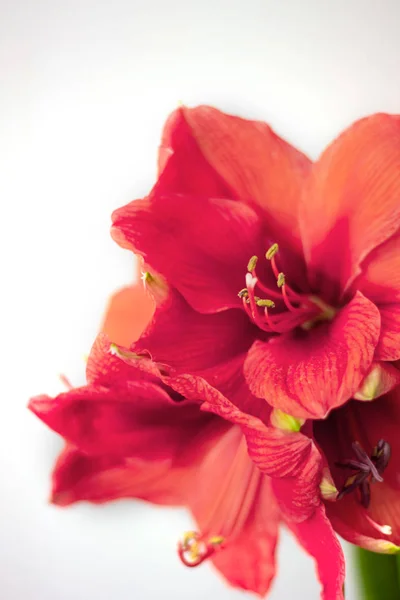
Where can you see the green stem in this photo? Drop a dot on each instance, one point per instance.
(378, 575)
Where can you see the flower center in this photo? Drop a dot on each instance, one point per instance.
(298, 309)
(365, 471)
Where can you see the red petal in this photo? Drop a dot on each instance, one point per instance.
(98, 479)
(105, 369)
(189, 341)
(257, 165)
(213, 346)
(388, 347)
(299, 496)
(380, 276)
(232, 499)
(139, 421)
(182, 167)
(306, 374)
(353, 201)
(318, 539)
(201, 246)
(276, 453)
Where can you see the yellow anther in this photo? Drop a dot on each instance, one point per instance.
(265, 302)
(271, 251)
(281, 280)
(243, 293)
(188, 537)
(252, 263)
(217, 540)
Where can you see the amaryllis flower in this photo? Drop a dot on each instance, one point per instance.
(288, 272)
(278, 312)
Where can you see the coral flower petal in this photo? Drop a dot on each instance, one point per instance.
(352, 204)
(257, 164)
(127, 315)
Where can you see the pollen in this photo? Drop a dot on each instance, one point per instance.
(265, 302)
(281, 280)
(252, 263)
(270, 253)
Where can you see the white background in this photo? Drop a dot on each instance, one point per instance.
(85, 88)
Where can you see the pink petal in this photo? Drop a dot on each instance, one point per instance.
(306, 374)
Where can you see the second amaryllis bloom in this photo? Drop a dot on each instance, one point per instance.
(278, 315)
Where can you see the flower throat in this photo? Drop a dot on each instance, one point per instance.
(301, 310)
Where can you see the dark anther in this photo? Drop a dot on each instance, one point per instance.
(366, 470)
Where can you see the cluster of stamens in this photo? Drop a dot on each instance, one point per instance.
(303, 310)
(366, 470)
(193, 549)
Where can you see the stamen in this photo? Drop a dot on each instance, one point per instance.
(272, 250)
(243, 293)
(366, 469)
(252, 264)
(265, 302)
(281, 280)
(193, 550)
(304, 311)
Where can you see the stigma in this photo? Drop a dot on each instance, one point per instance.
(298, 309)
(193, 549)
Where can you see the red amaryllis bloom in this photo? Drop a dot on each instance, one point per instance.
(279, 303)
(287, 272)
